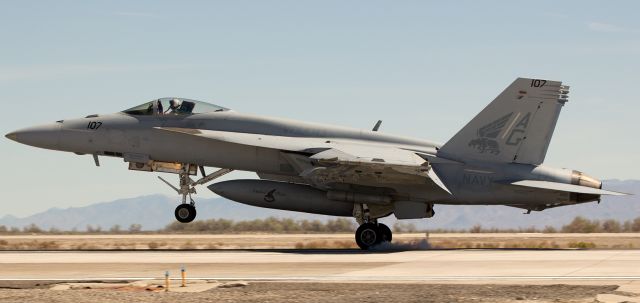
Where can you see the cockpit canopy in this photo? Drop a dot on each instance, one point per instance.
(173, 106)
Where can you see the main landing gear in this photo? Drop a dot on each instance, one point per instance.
(186, 212)
(370, 232)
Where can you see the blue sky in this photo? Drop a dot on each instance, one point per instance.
(425, 68)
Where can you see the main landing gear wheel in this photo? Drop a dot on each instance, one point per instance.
(185, 213)
(386, 232)
(370, 234)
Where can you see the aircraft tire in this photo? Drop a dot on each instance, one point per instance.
(185, 213)
(386, 233)
(367, 235)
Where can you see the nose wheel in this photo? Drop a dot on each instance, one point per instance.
(186, 212)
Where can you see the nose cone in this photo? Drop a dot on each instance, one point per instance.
(12, 136)
(43, 136)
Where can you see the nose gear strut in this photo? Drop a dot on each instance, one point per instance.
(186, 212)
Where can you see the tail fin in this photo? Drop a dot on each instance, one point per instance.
(516, 127)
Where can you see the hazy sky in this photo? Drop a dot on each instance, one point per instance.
(425, 68)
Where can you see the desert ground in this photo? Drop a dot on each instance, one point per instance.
(328, 292)
(315, 241)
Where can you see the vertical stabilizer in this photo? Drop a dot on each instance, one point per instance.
(516, 127)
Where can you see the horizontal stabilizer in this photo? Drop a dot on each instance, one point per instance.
(566, 187)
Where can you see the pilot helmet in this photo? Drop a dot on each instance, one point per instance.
(175, 103)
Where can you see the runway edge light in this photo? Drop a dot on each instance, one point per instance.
(166, 280)
(183, 275)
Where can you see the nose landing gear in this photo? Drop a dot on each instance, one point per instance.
(186, 212)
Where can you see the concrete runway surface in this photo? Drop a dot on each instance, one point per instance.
(457, 266)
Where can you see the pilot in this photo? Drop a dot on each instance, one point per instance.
(174, 104)
(159, 106)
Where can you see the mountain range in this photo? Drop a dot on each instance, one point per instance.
(156, 211)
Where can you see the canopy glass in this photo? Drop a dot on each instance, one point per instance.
(173, 106)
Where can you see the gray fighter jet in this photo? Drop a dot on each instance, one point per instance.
(496, 159)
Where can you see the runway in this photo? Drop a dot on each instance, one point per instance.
(457, 266)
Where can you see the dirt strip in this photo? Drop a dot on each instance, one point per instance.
(316, 241)
(315, 292)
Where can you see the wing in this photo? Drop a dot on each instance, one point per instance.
(298, 144)
(336, 161)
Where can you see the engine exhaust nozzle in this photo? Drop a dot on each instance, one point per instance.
(582, 179)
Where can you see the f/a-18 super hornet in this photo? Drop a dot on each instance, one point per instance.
(496, 159)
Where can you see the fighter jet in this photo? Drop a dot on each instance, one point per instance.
(496, 159)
